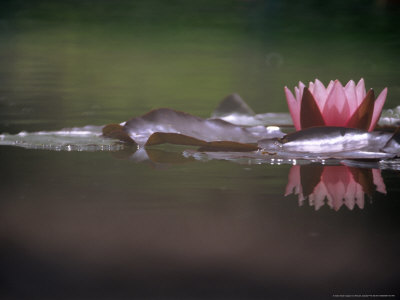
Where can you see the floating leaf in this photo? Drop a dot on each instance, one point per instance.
(87, 138)
(323, 140)
(191, 130)
(116, 131)
(158, 138)
(232, 104)
(180, 139)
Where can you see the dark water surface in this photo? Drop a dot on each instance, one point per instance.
(79, 225)
(93, 225)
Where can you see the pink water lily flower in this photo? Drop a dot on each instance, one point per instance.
(349, 106)
(333, 185)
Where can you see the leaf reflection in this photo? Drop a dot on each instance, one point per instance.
(335, 186)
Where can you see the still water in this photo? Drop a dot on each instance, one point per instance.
(100, 225)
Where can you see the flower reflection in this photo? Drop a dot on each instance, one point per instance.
(339, 185)
(336, 105)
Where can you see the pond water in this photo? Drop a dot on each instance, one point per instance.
(99, 224)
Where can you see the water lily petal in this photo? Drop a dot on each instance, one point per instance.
(351, 95)
(320, 94)
(378, 109)
(294, 108)
(336, 110)
(301, 89)
(310, 115)
(338, 184)
(336, 180)
(311, 87)
(333, 174)
(378, 181)
(294, 182)
(330, 87)
(297, 93)
(360, 91)
(317, 198)
(362, 117)
(337, 191)
(349, 199)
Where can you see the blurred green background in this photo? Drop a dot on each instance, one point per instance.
(72, 63)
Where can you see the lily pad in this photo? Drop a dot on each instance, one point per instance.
(169, 126)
